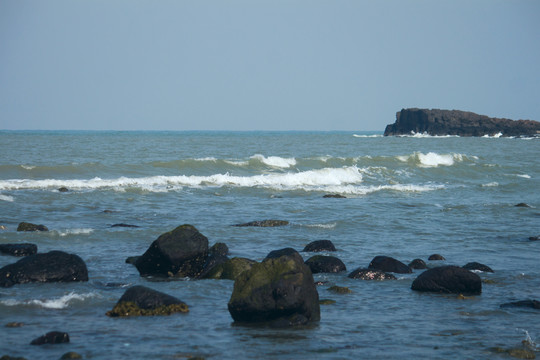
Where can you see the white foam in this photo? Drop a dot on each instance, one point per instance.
(6, 198)
(275, 161)
(28, 167)
(432, 159)
(495, 136)
(525, 176)
(57, 303)
(75, 232)
(491, 184)
(322, 226)
(368, 136)
(426, 135)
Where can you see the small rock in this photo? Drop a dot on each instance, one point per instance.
(71, 355)
(53, 337)
(370, 274)
(24, 249)
(319, 245)
(478, 267)
(325, 264)
(125, 225)
(534, 238)
(327, 302)
(389, 264)
(63, 189)
(143, 301)
(533, 304)
(24, 226)
(335, 196)
(436, 257)
(265, 223)
(522, 205)
(14, 324)
(418, 264)
(340, 289)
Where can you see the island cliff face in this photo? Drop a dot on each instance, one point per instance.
(455, 122)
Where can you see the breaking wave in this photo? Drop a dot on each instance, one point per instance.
(56, 303)
(432, 159)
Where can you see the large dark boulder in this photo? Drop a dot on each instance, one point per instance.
(54, 266)
(455, 122)
(319, 245)
(18, 249)
(277, 290)
(181, 252)
(325, 264)
(143, 301)
(389, 264)
(370, 274)
(53, 337)
(448, 279)
(24, 226)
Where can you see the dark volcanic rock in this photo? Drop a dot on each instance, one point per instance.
(455, 122)
(418, 264)
(534, 304)
(24, 226)
(53, 337)
(54, 266)
(180, 252)
(319, 245)
(143, 301)
(370, 274)
(265, 223)
(279, 290)
(18, 249)
(325, 264)
(448, 279)
(389, 264)
(477, 266)
(436, 257)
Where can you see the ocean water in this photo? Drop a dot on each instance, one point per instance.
(406, 197)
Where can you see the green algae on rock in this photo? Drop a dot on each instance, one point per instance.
(230, 269)
(143, 301)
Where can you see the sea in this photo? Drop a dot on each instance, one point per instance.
(406, 197)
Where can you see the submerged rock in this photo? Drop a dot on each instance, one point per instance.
(436, 257)
(477, 266)
(522, 205)
(325, 264)
(370, 274)
(143, 301)
(533, 304)
(265, 223)
(418, 264)
(63, 189)
(24, 249)
(24, 226)
(71, 355)
(181, 252)
(448, 279)
(53, 337)
(230, 269)
(319, 245)
(125, 225)
(335, 196)
(389, 264)
(279, 290)
(54, 266)
(340, 289)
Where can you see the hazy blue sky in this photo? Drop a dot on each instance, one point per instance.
(263, 65)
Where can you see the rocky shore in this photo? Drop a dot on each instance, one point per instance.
(438, 122)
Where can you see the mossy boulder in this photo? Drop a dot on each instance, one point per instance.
(230, 269)
(54, 266)
(181, 252)
(325, 264)
(278, 290)
(24, 226)
(143, 301)
(449, 280)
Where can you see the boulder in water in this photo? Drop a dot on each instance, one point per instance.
(53, 337)
(389, 264)
(370, 274)
(533, 304)
(436, 257)
(54, 266)
(230, 269)
(448, 279)
(265, 223)
(319, 245)
(418, 264)
(24, 226)
(325, 264)
(478, 267)
(23, 249)
(143, 301)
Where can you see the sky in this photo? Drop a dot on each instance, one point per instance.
(319, 65)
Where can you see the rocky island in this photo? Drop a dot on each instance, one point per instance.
(437, 122)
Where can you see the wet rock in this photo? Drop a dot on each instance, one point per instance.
(274, 254)
(418, 264)
(230, 269)
(132, 260)
(389, 264)
(24, 249)
(325, 264)
(212, 261)
(370, 274)
(276, 290)
(533, 304)
(334, 196)
(477, 266)
(63, 189)
(14, 324)
(53, 337)
(522, 205)
(319, 245)
(181, 252)
(448, 279)
(71, 355)
(219, 249)
(340, 289)
(125, 225)
(436, 257)
(517, 353)
(24, 226)
(534, 238)
(7, 357)
(327, 302)
(265, 223)
(54, 266)
(143, 301)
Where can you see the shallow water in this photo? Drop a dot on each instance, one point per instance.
(407, 197)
